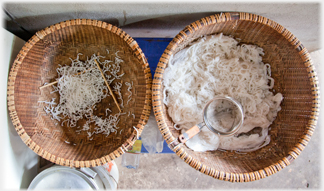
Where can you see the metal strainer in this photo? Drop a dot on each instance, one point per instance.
(223, 115)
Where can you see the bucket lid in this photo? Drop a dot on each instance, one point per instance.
(59, 177)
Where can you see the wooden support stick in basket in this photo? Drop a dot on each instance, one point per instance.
(111, 92)
(52, 83)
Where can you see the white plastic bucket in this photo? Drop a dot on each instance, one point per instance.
(62, 177)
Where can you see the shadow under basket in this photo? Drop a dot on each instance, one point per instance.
(295, 78)
(36, 64)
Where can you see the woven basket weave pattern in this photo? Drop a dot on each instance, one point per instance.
(36, 64)
(294, 76)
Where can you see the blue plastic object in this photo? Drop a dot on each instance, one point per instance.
(153, 49)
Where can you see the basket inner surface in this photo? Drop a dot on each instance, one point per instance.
(39, 66)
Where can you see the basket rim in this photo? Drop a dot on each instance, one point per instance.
(195, 163)
(39, 35)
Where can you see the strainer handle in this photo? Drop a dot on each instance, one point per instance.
(184, 137)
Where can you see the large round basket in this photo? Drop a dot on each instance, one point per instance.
(36, 65)
(294, 76)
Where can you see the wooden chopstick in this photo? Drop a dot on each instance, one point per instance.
(111, 92)
(48, 84)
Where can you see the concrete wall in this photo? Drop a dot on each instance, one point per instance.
(160, 19)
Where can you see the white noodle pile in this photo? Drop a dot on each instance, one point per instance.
(129, 89)
(117, 88)
(217, 65)
(81, 86)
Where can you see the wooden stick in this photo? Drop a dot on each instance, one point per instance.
(48, 84)
(55, 82)
(111, 92)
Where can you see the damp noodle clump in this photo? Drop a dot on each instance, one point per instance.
(216, 65)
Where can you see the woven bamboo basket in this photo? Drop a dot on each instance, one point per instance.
(295, 78)
(36, 64)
